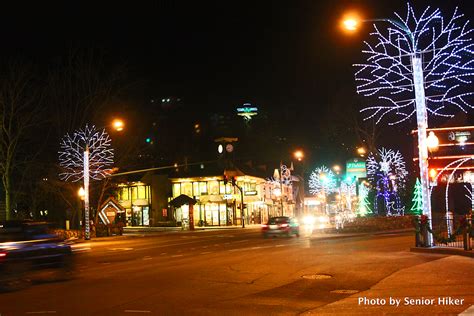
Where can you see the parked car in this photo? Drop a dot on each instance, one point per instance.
(28, 251)
(281, 226)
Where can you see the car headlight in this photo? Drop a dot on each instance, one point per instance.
(309, 220)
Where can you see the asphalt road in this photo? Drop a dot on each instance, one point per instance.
(225, 272)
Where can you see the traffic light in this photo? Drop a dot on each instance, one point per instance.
(226, 180)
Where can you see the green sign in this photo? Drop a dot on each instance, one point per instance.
(356, 168)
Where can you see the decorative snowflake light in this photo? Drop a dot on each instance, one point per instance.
(445, 51)
(71, 155)
(322, 180)
(387, 172)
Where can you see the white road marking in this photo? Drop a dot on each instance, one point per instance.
(147, 258)
(174, 256)
(241, 240)
(280, 245)
(256, 248)
(205, 252)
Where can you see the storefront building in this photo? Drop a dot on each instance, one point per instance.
(135, 197)
(219, 204)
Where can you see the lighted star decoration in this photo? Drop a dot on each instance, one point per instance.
(447, 50)
(71, 155)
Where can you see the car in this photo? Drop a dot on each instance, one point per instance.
(29, 251)
(281, 226)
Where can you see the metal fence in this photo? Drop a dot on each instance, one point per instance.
(448, 231)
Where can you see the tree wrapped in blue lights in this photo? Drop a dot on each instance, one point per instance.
(418, 66)
(386, 171)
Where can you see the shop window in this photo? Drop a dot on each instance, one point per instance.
(124, 194)
(176, 189)
(221, 187)
(214, 187)
(134, 193)
(203, 188)
(141, 192)
(187, 188)
(196, 189)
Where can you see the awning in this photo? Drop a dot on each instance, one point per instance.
(182, 200)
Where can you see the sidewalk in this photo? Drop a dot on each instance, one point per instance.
(443, 286)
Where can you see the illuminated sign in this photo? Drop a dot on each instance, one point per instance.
(250, 192)
(228, 197)
(356, 168)
(247, 111)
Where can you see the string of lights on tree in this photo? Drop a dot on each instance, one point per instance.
(387, 172)
(447, 51)
(321, 180)
(71, 154)
(416, 208)
(364, 206)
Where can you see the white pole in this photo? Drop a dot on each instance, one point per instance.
(422, 123)
(86, 194)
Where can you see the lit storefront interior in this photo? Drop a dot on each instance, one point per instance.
(219, 204)
(135, 197)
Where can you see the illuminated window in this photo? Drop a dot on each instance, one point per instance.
(221, 187)
(196, 189)
(134, 193)
(141, 192)
(214, 187)
(203, 188)
(187, 188)
(176, 189)
(124, 194)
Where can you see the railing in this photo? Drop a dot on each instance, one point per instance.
(452, 232)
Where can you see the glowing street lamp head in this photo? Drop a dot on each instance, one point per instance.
(299, 155)
(118, 125)
(351, 22)
(361, 151)
(432, 141)
(81, 193)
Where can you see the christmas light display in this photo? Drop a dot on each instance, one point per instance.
(85, 154)
(322, 180)
(387, 172)
(418, 65)
(364, 203)
(416, 208)
(348, 190)
(446, 49)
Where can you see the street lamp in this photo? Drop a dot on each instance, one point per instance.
(361, 151)
(299, 155)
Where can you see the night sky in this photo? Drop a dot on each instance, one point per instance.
(285, 57)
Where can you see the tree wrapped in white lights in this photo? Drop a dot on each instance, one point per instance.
(86, 154)
(416, 66)
(322, 180)
(387, 172)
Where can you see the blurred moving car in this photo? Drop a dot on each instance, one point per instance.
(28, 251)
(281, 225)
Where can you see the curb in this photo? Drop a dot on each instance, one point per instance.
(444, 251)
